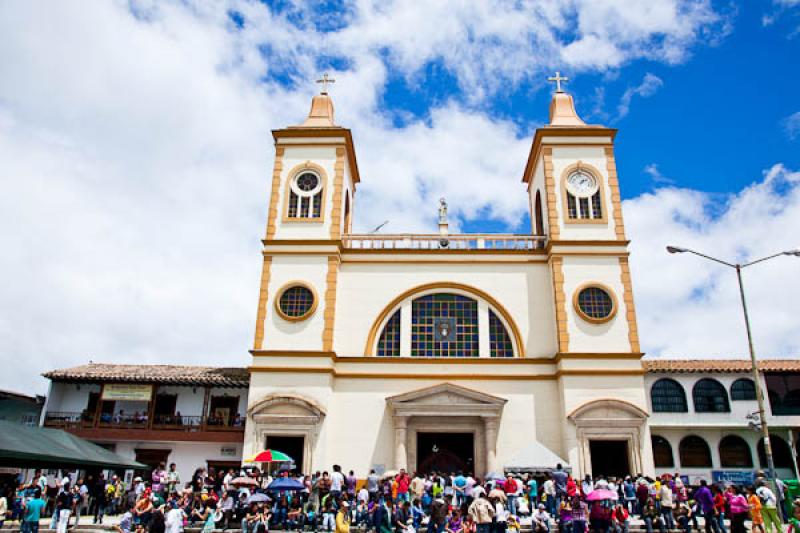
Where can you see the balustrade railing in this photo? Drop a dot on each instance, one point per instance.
(87, 420)
(459, 241)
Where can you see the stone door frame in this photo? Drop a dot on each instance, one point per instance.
(446, 408)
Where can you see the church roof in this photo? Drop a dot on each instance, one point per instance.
(162, 374)
(690, 366)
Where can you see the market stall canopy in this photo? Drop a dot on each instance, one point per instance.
(38, 447)
(535, 458)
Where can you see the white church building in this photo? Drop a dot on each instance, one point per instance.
(473, 352)
(448, 351)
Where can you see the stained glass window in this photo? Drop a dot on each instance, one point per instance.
(297, 301)
(572, 207)
(595, 303)
(389, 341)
(597, 210)
(499, 340)
(444, 325)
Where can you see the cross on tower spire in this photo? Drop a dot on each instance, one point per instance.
(325, 80)
(558, 78)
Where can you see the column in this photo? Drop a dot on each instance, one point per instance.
(490, 431)
(405, 328)
(400, 439)
(484, 348)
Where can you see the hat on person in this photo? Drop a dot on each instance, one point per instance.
(137, 478)
(541, 506)
(345, 503)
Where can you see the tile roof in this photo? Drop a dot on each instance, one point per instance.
(719, 365)
(166, 374)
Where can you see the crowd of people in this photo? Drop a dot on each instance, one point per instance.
(399, 502)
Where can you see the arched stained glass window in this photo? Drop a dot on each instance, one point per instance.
(668, 396)
(662, 452)
(694, 452)
(710, 397)
(743, 389)
(499, 339)
(444, 325)
(735, 452)
(389, 341)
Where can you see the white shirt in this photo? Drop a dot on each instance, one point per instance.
(337, 481)
(767, 495)
(500, 512)
(363, 495)
(541, 516)
(549, 487)
(174, 521)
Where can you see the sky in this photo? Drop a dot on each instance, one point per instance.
(135, 155)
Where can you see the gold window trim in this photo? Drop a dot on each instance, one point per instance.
(291, 176)
(287, 286)
(604, 287)
(580, 165)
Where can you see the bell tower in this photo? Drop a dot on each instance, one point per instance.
(314, 180)
(575, 202)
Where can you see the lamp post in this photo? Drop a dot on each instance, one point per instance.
(754, 365)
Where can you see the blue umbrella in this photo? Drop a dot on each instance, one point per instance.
(286, 483)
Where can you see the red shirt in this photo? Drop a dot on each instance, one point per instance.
(402, 483)
(510, 486)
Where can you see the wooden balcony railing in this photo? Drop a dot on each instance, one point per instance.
(471, 241)
(85, 420)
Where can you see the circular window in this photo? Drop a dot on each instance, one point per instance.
(595, 303)
(307, 182)
(296, 302)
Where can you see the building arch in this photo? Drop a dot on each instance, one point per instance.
(781, 452)
(710, 396)
(694, 452)
(735, 452)
(662, 452)
(440, 287)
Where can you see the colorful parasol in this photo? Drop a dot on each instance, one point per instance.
(270, 456)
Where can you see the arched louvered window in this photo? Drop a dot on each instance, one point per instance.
(499, 339)
(389, 341)
(743, 389)
(668, 396)
(662, 452)
(735, 452)
(781, 453)
(694, 452)
(305, 196)
(710, 397)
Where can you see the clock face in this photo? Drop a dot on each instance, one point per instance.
(581, 183)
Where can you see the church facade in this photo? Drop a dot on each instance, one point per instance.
(448, 351)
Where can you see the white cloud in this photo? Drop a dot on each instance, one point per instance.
(791, 125)
(649, 86)
(136, 154)
(690, 306)
(655, 174)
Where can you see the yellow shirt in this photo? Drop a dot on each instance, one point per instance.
(342, 522)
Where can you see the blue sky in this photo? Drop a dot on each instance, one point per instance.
(136, 154)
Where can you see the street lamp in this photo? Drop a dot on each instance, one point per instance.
(754, 366)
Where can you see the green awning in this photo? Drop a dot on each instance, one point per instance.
(38, 447)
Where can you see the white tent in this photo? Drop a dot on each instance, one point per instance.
(535, 458)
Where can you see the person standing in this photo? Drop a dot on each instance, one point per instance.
(705, 501)
(337, 483)
(372, 484)
(482, 513)
(769, 509)
(665, 494)
(510, 488)
(173, 479)
(549, 495)
(739, 510)
(32, 512)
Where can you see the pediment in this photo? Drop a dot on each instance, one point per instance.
(445, 394)
(607, 409)
(287, 405)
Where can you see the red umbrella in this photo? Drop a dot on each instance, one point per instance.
(270, 456)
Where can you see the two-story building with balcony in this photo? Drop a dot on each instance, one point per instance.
(190, 415)
(703, 416)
